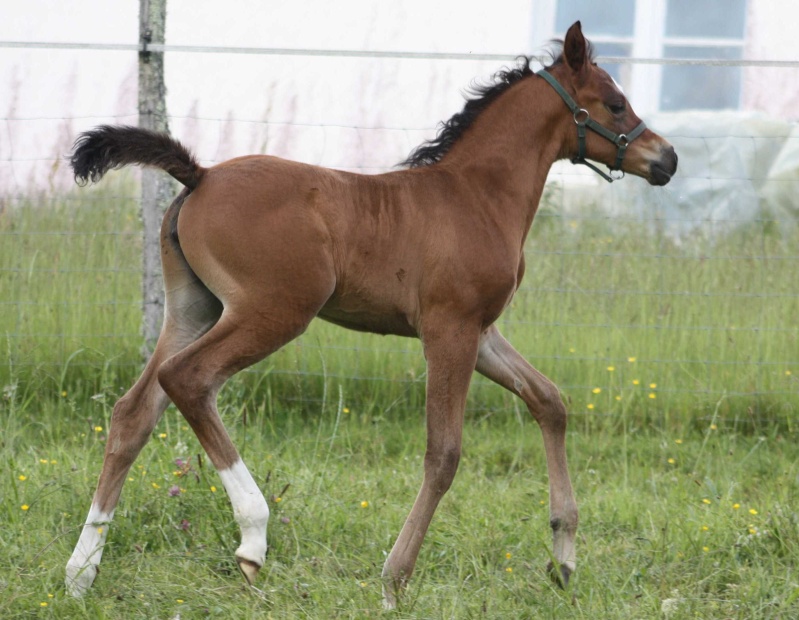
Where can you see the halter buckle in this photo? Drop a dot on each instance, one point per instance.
(577, 113)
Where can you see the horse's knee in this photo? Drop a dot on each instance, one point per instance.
(441, 467)
(550, 412)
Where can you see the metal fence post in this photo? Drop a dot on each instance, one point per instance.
(157, 189)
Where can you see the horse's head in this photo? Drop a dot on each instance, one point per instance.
(606, 129)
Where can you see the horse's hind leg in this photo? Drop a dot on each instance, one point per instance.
(193, 377)
(191, 311)
(501, 363)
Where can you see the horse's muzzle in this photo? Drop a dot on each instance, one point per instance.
(661, 171)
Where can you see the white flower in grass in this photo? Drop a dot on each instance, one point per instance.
(669, 606)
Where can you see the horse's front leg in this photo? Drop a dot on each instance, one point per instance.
(451, 352)
(501, 363)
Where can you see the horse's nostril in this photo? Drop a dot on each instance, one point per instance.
(671, 159)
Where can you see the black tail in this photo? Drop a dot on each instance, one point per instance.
(105, 147)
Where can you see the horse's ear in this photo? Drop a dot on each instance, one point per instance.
(575, 48)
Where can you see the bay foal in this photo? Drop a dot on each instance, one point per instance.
(256, 247)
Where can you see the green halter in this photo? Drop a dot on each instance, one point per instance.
(582, 119)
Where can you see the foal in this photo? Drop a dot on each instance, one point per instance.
(256, 247)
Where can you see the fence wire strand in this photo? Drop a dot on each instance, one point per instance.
(119, 297)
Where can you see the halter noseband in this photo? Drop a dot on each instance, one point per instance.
(582, 119)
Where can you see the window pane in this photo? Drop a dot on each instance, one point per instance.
(620, 72)
(613, 17)
(696, 87)
(705, 18)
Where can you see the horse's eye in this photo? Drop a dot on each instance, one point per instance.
(616, 108)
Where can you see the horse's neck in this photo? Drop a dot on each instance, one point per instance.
(512, 146)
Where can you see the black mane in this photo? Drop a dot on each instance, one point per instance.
(449, 132)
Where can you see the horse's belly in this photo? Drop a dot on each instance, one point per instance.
(380, 319)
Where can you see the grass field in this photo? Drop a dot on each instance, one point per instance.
(678, 362)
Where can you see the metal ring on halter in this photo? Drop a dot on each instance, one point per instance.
(622, 140)
(577, 113)
(616, 178)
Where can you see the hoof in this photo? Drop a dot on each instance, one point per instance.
(559, 577)
(79, 579)
(393, 587)
(390, 592)
(249, 569)
(389, 601)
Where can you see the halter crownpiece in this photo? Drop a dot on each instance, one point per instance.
(583, 119)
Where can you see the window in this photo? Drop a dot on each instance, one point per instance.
(611, 37)
(688, 29)
(695, 29)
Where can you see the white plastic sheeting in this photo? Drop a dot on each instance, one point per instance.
(734, 168)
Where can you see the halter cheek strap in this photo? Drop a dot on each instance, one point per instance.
(583, 120)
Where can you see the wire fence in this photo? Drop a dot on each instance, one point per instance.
(663, 298)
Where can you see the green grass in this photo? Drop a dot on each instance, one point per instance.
(658, 519)
(706, 319)
(710, 322)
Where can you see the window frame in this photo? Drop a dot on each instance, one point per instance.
(649, 40)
